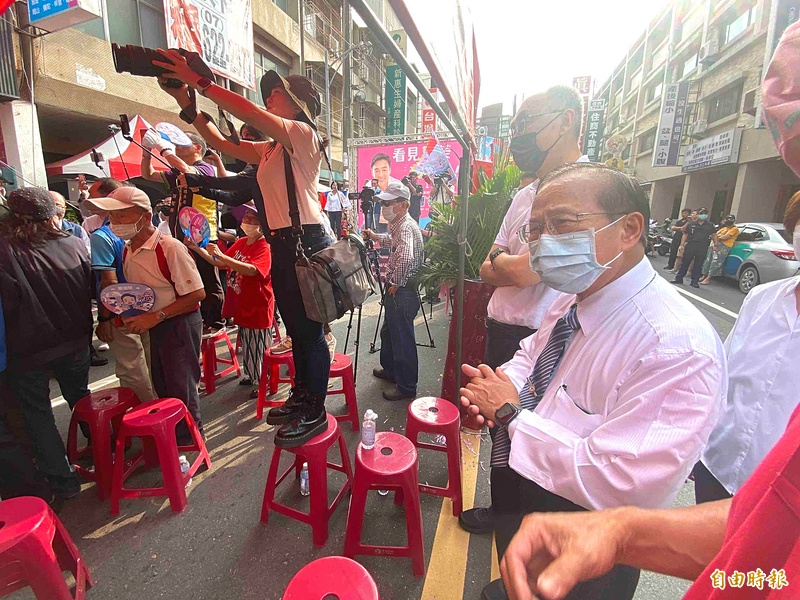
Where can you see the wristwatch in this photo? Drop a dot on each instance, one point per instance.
(162, 316)
(495, 253)
(203, 84)
(188, 115)
(507, 413)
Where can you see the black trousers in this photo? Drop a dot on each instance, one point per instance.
(673, 250)
(335, 217)
(618, 584)
(211, 306)
(175, 364)
(693, 251)
(706, 486)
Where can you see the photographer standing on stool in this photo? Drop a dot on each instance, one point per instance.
(410, 181)
(398, 345)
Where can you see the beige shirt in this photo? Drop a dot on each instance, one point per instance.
(164, 264)
(306, 155)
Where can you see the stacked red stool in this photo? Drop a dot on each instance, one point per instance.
(210, 360)
(103, 411)
(332, 577)
(342, 367)
(270, 377)
(35, 549)
(439, 417)
(155, 423)
(390, 465)
(315, 453)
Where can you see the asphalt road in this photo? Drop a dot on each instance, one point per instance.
(218, 548)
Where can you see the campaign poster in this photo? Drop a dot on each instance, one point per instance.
(395, 161)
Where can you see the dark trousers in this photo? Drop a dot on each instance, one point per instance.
(175, 364)
(706, 486)
(312, 360)
(335, 217)
(673, 250)
(398, 344)
(693, 251)
(32, 390)
(211, 306)
(618, 584)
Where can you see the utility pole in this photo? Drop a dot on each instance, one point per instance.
(347, 94)
(301, 14)
(328, 102)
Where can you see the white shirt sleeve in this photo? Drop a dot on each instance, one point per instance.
(641, 452)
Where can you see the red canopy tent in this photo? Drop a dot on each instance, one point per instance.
(131, 154)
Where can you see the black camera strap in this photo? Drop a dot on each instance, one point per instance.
(294, 209)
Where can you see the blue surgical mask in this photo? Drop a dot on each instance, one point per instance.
(568, 262)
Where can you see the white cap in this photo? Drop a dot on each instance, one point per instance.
(395, 190)
(370, 415)
(120, 199)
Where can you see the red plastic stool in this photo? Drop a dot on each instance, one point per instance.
(315, 453)
(270, 376)
(439, 417)
(155, 423)
(35, 549)
(342, 367)
(102, 410)
(332, 577)
(210, 360)
(390, 464)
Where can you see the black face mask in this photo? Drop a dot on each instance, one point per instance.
(526, 152)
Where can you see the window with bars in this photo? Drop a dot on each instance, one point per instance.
(724, 104)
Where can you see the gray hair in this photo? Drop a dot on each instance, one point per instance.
(563, 97)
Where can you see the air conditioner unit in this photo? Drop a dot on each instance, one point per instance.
(751, 99)
(336, 127)
(699, 127)
(709, 51)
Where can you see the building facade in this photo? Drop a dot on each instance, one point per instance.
(720, 50)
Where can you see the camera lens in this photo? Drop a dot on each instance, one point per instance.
(137, 60)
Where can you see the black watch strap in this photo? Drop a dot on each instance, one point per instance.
(507, 413)
(188, 114)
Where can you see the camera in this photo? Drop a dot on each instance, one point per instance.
(137, 60)
(367, 197)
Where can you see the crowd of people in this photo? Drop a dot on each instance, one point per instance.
(603, 388)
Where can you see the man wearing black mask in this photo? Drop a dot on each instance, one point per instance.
(698, 235)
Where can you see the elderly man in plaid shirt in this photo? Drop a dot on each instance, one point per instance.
(399, 363)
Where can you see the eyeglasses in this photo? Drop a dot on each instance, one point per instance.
(390, 202)
(557, 225)
(524, 119)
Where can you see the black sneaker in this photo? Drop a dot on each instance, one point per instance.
(695, 285)
(477, 520)
(494, 591)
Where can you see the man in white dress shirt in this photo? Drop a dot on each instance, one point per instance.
(762, 350)
(520, 300)
(612, 401)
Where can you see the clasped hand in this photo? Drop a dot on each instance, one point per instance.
(486, 391)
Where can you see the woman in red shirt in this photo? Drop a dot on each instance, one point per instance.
(249, 299)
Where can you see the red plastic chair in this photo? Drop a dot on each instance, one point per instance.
(332, 577)
(439, 417)
(103, 411)
(35, 549)
(210, 360)
(270, 377)
(315, 453)
(342, 367)
(155, 423)
(390, 464)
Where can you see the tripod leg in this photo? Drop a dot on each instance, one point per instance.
(349, 327)
(424, 318)
(358, 339)
(376, 265)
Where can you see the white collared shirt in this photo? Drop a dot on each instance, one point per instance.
(520, 305)
(764, 385)
(631, 405)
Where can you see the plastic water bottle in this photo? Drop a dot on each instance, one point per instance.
(368, 430)
(304, 489)
(184, 468)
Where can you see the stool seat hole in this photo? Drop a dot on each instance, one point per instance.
(330, 597)
(152, 411)
(433, 409)
(386, 451)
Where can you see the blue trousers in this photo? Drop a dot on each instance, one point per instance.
(398, 344)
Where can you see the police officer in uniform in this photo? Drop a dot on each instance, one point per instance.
(698, 235)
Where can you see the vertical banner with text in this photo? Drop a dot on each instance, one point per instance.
(671, 125)
(595, 127)
(428, 114)
(395, 100)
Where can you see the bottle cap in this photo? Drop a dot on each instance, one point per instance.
(305, 465)
(370, 415)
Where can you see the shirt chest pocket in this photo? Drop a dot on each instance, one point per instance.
(568, 414)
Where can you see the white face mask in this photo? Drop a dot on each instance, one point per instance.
(568, 262)
(126, 231)
(387, 212)
(796, 242)
(251, 230)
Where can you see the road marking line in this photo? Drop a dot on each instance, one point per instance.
(109, 381)
(724, 311)
(448, 565)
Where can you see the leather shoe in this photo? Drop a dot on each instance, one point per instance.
(676, 282)
(380, 373)
(97, 360)
(477, 520)
(309, 423)
(397, 394)
(288, 410)
(695, 285)
(494, 591)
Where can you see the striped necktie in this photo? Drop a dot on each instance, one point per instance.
(536, 385)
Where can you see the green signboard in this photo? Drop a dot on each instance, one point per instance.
(395, 100)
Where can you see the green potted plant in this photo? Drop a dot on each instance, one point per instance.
(486, 209)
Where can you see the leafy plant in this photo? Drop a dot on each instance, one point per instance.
(486, 209)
